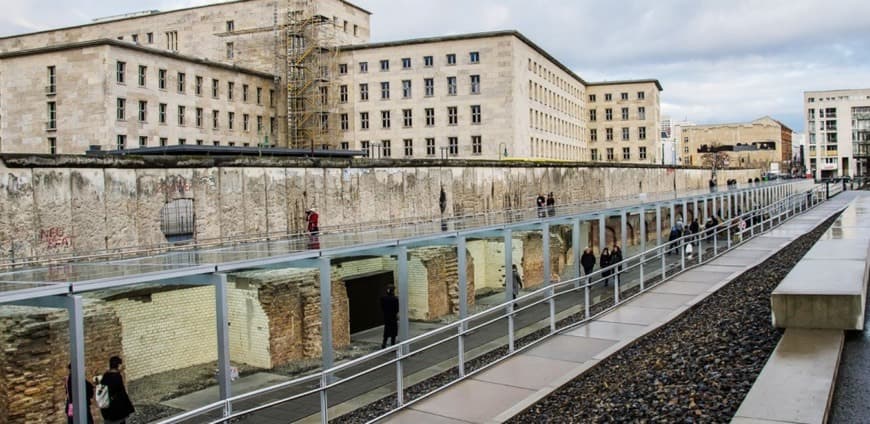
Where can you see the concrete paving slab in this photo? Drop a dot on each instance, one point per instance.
(790, 233)
(527, 372)
(660, 300)
(736, 261)
(839, 249)
(766, 243)
(569, 348)
(212, 394)
(709, 267)
(410, 416)
(634, 315)
(702, 276)
(608, 330)
(680, 287)
(841, 232)
(489, 400)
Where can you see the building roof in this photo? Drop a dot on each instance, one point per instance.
(131, 46)
(133, 15)
(731, 124)
(468, 36)
(618, 82)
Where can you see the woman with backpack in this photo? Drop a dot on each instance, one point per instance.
(112, 384)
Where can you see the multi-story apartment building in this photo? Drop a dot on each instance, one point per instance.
(838, 132)
(306, 70)
(763, 143)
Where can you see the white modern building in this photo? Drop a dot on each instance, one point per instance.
(838, 132)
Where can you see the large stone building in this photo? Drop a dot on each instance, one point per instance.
(302, 73)
(764, 143)
(838, 132)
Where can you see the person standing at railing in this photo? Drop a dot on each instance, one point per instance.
(517, 283)
(551, 204)
(540, 202)
(390, 309)
(588, 261)
(616, 259)
(605, 261)
(694, 228)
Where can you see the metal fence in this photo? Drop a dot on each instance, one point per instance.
(392, 378)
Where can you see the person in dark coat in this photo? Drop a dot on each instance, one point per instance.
(540, 202)
(551, 204)
(605, 261)
(588, 261)
(518, 282)
(120, 406)
(695, 227)
(616, 258)
(390, 308)
(89, 394)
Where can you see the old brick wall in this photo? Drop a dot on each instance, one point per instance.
(440, 269)
(33, 365)
(533, 258)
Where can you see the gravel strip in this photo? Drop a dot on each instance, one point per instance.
(698, 368)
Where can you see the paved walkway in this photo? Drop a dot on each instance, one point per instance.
(509, 387)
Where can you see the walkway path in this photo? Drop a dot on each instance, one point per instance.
(509, 387)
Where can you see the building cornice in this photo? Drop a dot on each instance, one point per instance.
(621, 82)
(132, 46)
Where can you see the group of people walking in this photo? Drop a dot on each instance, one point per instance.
(546, 205)
(609, 262)
(109, 392)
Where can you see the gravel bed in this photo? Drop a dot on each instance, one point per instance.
(698, 368)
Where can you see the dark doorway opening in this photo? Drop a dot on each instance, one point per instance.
(364, 299)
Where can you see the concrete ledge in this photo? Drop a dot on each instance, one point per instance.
(797, 382)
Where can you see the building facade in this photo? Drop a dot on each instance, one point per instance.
(838, 132)
(764, 143)
(303, 74)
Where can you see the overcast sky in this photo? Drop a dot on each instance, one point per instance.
(718, 61)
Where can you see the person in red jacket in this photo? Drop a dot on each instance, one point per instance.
(312, 217)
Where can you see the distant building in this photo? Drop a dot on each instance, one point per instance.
(763, 143)
(838, 132)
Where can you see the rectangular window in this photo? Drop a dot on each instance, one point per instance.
(271, 98)
(231, 47)
(594, 153)
(181, 82)
(625, 134)
(181, 110)
(640, 95)
(407, 118)
(161, 113)
(476, 145)
(452, 115)
(641, 133)
(475, 84)
(230, 86)
(610, 153)
(143, 70)
(342, 68)
(121, 106)
(51, 122)
(246, 122)
(406, 63)
(231, 116)
(143, 141)
(406, 89)
(345, 125)
(623, 96)
(385, 119)
(430, 147)
(172, 40)
(475, 115)
(143, 111)
(345, 145)
(245, 93)
(199, 142)
(164, 141)
(641, 153)
(608, 114)
(385, 90)
(592, 116)
(272, 125)
(641, 113)
(259, 95)
(150, 37)
(342, 94)
(363, 92)
(625, 114)
(429, 87)
(428, 61)
(324, 123)
(591, 98)
(161, 79)
(363, 67)
(231, 26)
(474, 57)
(364, 120)
(182, 141)
(451, 59)
(121, 142)
(608, 134)
(215, 88)
(385, 65)
(430, 117)
(120, 69)
(355, 30)
(608, 97)
(386, 151)
(199, 117)
(215, 114)
(451, 86)
(453, 145)
(259, 123)
(197, 87)
(364, 146)
(593, 134)
(324, 95)
(409, 147)
(626, 153)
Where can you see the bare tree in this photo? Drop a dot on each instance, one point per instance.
(714, 158)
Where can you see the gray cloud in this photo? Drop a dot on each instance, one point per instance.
(718, 61)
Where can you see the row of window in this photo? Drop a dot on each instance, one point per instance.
(608, 97)
(545, 122)
(550, 98)
(407, 89)
(476, 115)
(121, 142)
(384, 148)
(408, 63)
(547, 75)
(626, 134)
(180, 82)
(542, 148)
(626, 154)
(181, 116)
(608, 114)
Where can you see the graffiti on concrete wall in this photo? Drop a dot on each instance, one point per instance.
(54, 238)
(177, 184)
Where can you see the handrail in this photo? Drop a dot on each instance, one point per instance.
(787, 205)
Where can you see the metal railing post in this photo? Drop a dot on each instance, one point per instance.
(511, 346)
(586, 298)
(551, 293)
(715, 244)
(324, 406)
(400, 383)
(682, 255)
(461, 348)
(616, 285)
(664, 264)
(642, 283)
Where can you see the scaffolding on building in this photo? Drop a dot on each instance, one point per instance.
(312, 54)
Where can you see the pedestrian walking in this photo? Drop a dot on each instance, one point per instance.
(605, 261)
(120, 407)
(695, 227)
(517, 284)
(390, 309)
(551, 204)
(540, 202)
(312, 218)
(89, 394)
(616, 259)
(712, 184)
(588, 261)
